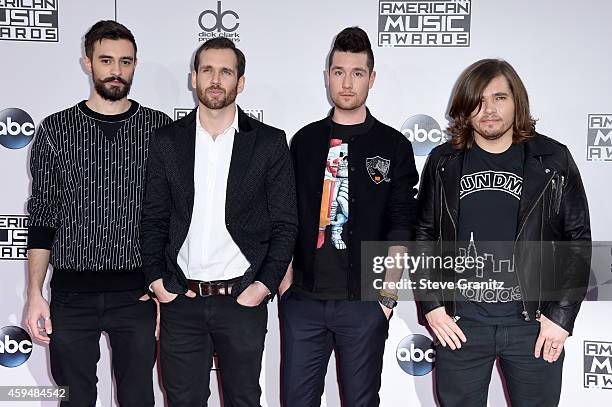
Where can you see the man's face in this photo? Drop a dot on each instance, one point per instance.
(112, 68)
(216, 81)
(349, 79)
(495, 118)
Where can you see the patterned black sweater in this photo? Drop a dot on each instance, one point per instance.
(87, 187)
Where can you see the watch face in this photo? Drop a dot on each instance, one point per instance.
(388, 302)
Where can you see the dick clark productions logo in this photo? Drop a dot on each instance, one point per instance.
(219, 23)
(15, 346)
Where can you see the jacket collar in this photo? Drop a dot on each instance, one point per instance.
(189, 121)
(244, 142)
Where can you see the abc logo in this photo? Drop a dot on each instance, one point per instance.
(416, 355)
(423, 132)
(15, 346)
(218, 17)
(16, 128)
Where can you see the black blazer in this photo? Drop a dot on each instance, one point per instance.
(260, 203)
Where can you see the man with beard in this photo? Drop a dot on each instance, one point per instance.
(355, 181)
(87, 168)
(497, 180)
(218, 228)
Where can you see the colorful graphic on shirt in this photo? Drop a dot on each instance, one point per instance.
(334, 202)
(378, 169)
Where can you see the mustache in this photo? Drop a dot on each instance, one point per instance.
(215, 87)
(115, 78)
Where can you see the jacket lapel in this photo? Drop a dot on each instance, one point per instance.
(242, 153)
(450, 174)
(535, 176)
(184, 145)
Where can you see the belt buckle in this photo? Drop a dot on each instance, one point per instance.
(200, 285)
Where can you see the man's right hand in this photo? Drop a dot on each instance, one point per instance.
(165, 296)
(37, 308)
(445, 328)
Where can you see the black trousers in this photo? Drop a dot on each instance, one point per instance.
(311, 329)
(78, 320)
(191, 329)
(463, 375)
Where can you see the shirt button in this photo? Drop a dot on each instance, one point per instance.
(352, 169)
(353, 200)
(352, 139)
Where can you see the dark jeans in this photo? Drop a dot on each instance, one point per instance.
(463, 375)
(78, 320)
(191, 328)
(311, 329)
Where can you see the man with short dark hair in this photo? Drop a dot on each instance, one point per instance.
(501, 191)
(218, 228)
(355, 179)
(87, 168)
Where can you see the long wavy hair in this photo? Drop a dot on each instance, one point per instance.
(467, 96)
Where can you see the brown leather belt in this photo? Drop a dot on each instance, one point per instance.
(208, 288)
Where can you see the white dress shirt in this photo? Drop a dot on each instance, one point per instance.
(209, 253)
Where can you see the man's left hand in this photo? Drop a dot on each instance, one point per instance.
(552, 337)
(253, 295)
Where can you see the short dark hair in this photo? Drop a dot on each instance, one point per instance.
(221, 43)
(107, 30)
(352, 39)
(467, 97)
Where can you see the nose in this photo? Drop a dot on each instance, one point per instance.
(116, 69)
(215, 78)
(347, 82)
(488, 106)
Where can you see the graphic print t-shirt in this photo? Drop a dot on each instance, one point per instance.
(490, 192)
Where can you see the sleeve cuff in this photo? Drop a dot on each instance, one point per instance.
(265, 286)
(41, 237)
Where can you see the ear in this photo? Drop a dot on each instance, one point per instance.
(194, 79)
(372, 79)
(326, 75)
(240, 85)
(87, 63)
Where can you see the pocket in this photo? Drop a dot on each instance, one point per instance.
(174, 301)
(381, 312)
(61, 297)
(286, 294)
(246, 307)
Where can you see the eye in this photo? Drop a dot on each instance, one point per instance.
(227, 71)
(105, 61)
(126, 62)
(358, 74)
(337, 73)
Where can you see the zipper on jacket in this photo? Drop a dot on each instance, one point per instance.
(525, 313)
(455, 235)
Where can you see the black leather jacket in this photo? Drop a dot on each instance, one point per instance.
(553, 208)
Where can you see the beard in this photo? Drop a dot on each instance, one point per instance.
(492, 134)
(354, 103)
(112, 93)
(215, 103)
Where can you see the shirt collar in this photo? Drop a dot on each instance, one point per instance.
(234, 124)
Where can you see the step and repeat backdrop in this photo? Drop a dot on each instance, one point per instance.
(561, 49)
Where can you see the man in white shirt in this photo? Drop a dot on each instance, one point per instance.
(218, 227)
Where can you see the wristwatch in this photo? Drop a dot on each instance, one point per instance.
(388, 302)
